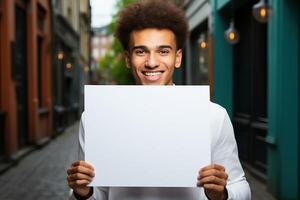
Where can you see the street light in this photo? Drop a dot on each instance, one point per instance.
(69, 66)
(60, 55)
(261, 11)
(231, 34)
(202, 42)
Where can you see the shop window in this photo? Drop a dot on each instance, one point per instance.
(200, 54)
(203, 58)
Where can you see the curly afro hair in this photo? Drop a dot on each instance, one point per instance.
(152, 14)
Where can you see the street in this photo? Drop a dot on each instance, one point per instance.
(42, 174)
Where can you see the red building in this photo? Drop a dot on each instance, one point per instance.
(25, 76)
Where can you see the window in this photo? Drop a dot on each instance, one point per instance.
(40, 69)
(0, 7)
(41, 13)
(59, 5)
(203, 58)
(70, 15)
(200, 55)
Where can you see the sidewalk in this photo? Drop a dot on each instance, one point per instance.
(42, 174)
(258, 189)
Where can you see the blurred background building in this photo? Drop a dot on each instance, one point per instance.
(255, 77)
(85, 47)
(45, 53)
(25, 70)
(100, 45)
(67, 58)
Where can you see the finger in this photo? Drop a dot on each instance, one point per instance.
(78, 183)
(212, 166)
(79, 176)
(212, 180)
(213, 172)
(214, 187)
(82, 163)
(81, 169)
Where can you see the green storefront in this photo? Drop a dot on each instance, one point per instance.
(257, 81)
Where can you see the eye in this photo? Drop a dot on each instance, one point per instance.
(140, 52)
(164, 52)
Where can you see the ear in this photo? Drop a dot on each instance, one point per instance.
(127, 59)
(178, 58)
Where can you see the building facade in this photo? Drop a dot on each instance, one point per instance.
(42, 59)
(25, 76)
(101, 43)
(257, 81)
(85, 46)
(197, 65)
(67, 62)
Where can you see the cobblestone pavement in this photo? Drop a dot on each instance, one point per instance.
(258, 189)
(42, 174)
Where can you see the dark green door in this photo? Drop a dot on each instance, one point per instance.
(250, 91)
(20, 74)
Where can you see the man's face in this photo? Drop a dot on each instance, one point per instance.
(152, 56)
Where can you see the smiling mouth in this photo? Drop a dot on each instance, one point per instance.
(152, 75)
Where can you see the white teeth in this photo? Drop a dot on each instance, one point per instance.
(152, 73)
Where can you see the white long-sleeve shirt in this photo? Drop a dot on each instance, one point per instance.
(223, 152)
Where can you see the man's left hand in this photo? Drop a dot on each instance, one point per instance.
(213, 179)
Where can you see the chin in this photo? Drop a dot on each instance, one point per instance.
(152, 83)
(147, 82)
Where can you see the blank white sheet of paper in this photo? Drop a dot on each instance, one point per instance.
(147, 136)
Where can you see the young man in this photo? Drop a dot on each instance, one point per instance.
(153, 34)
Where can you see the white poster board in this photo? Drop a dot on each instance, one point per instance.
(147, 136)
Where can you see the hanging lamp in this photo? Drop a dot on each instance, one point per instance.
(202, 41)
(261, 11)
(231, 35)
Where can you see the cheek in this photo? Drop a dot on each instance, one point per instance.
(170, 64)
(137, 63)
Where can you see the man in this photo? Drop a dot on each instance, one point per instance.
(153, 34)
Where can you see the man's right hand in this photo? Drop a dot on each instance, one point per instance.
(80, 174)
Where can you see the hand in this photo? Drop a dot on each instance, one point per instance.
(80, 174)
(213, 179)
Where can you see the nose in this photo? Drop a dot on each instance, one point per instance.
(152, 61)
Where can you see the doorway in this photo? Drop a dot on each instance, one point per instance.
(250, 92)
(2, 114)
(20, 73)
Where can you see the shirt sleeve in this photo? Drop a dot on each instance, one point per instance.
(225, 153)
(99, 193)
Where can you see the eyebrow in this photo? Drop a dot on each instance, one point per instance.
(146, 48)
